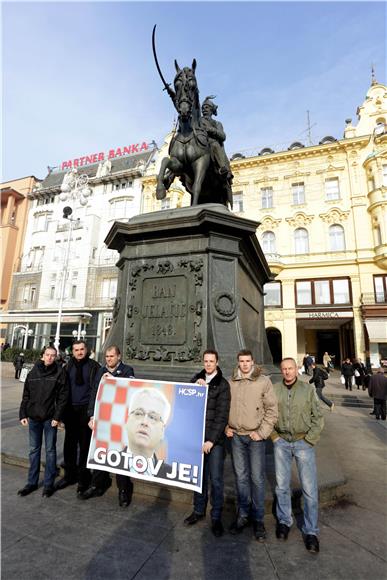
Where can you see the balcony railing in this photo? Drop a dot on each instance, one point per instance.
(371, 298)
(23, 304)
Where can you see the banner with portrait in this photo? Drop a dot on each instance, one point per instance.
(150, 430)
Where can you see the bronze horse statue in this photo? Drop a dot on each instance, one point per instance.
(190, 155)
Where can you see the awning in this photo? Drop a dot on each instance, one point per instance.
(377, 329)
(43, 317)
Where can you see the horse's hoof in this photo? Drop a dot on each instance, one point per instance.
(161, 192)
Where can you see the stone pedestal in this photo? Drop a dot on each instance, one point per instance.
(190, 279)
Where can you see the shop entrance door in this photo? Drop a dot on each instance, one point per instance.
(328, 341)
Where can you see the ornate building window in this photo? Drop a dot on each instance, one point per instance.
(384, 178)
(332, 189)
(380, 284)
(237, 202)
(332, 291)
(298, 193)
(165, 203)
(273, 294)
(109, 287)
(267, 197)
(336, 238)
(301, 241)
(120, 208)
(268, 243)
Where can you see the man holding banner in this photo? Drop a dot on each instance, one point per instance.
(218, 407)
(101, 481)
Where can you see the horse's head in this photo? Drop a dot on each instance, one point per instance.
(186, 88)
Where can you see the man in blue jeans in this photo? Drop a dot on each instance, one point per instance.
(44, 399)
(253, 413)
(218, 407)
(297, 430)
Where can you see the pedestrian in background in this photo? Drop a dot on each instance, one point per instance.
(18, 363)
(319, 377)
(360, 373)
(378, 390)
(327, 361)
(44, 399)
(348, 373)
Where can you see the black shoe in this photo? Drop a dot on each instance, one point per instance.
(282, 531)
(27, 490)
(372, 413)
(91, 492)
(259, 531)
(194, 518)
(312, 544)
(217, 528)
(377, 418)
(62, 483)
(48, 491)
(124, 498)
(240, 523)
(81, 489)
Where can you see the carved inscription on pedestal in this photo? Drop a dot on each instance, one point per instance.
(164, 311)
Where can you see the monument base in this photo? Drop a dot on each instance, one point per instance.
(190, 279)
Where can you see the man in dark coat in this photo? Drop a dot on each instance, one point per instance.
(81, 372)
(377, 389)
(18, 363)
(44, 399)
(319, 377)
(218, 407)
(348, 372)
(101, 481)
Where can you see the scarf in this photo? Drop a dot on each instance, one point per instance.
(79, 364)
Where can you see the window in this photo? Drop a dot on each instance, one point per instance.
(237, 202)
(46, 200)
(109, 287)
(40, 222)
(75, 275)
(35, 258)
(298, 193)
(384, 181)
(32, 293)
(380, 283)
(121, 208)
(52, 292)
(323, 292)
(267, 197)
(273, 295)
(301, 241)
(165, 203)
(73, 291)
(332, 190)
(304, 293)
(268, 243)
(336, 238)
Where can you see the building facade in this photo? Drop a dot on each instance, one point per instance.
(323, 229)
(64, 264)
(14, 212)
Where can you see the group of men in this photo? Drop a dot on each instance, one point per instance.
(246, 410)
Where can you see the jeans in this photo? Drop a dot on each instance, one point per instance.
(248, 458)
(319, 392)
(36, 429)
(348, 382)
(212, 469)
(306, 466)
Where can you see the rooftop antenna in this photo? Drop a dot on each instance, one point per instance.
(308, 130)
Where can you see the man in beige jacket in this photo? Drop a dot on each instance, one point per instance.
(253, 414)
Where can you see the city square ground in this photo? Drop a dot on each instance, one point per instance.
(62, 537)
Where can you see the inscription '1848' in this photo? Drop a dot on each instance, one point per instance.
(164, 311)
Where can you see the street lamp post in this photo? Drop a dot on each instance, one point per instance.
(74, 187)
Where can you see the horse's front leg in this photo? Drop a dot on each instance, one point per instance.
(199, 167)
(161, 191)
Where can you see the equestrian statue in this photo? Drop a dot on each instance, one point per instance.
(196, 151)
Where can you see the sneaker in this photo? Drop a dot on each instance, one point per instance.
(312, 544)
(282, 531)
(259, 531)
(194, 518)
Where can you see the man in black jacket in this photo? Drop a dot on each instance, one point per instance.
(218, 407)
(81, 372)
(319, 377)
(44, 399)
(101, 481)
(377, 389)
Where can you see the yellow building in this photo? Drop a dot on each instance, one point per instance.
(322, 211)
(14, 212)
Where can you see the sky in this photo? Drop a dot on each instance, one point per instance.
(79, 77)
